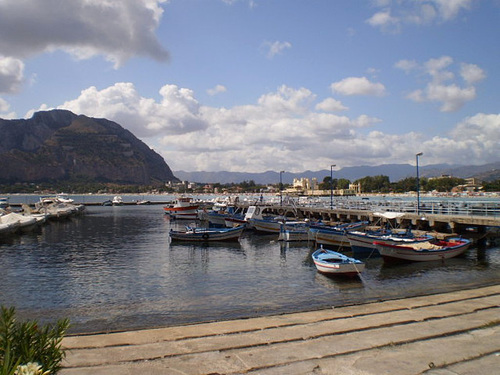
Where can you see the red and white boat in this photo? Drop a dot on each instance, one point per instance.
(423, 251)
(182, 208)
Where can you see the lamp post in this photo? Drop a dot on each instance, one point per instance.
(281, 196)
(331, 186)
(418, 183)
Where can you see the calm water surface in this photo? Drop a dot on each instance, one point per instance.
(114, 269)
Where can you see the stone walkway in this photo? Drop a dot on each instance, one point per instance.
(441, 334)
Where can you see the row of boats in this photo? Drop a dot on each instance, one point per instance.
(55, 208)
(391, 244)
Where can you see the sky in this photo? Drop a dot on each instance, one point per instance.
(258, 85)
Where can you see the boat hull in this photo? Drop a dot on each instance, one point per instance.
(395, 253)
(333, 263)
(207, 235)
(362, 244)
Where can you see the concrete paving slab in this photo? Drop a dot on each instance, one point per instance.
(302, 341)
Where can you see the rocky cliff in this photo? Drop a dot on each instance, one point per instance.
(60, 145)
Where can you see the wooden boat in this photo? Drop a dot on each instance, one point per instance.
(182, 208)
(298, 233)
(423, 251)
(207, 234)
(334, 235)
(362, 243)
(334, 263)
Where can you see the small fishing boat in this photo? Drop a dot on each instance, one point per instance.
(423, 251)
(362, 243)
(334, 263)
(329, 235)
(296, 233)
(207, 234)
(182, 208)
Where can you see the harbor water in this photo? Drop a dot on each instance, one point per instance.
(114, 269)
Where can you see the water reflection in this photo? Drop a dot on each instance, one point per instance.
(115, 268)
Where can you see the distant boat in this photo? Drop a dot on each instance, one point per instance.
(423, 251)
(334, 263)
(207, 234)
(4, 202)
(117, 201)
(107, 202)
(182, 208)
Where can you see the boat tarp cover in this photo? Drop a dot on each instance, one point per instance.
(389, 215)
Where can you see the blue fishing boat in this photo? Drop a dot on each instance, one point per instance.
(207, 234)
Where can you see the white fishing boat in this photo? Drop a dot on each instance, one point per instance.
(334, 263)
(182, 208)
(117, 201)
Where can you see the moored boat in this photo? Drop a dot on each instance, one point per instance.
(117, 201)
(182, 208)
(423, 251)
(328, 235)
(207, 234)
(362, 243)
(334, 263)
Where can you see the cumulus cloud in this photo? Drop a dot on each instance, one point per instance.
(281, 131)
(177, 112)
(392, 15)
(358, 86)
(11, 74)
(475, 140)
(117, 30)
(216, 90)
(442, 86)
(274, 48)
(331, 105)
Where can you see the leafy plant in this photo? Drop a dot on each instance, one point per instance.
(26, 348)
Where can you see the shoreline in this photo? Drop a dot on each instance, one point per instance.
(443, 331)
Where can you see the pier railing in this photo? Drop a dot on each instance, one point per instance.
(466, 208)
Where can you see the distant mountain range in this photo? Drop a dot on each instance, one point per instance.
(395, 172)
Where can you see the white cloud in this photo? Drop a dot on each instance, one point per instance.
(275, 48)
(358, 86)
(472, 73)
(406, 65)
(475, 140)
(442, 86)
(216, 90)
(392, 15)
(177, 113)
(385, 21)
(281, 131)
(117, 30)
(11, 74)
(331, 105)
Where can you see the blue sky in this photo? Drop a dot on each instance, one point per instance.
(256, 85)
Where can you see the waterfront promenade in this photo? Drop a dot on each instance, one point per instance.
(440, 334)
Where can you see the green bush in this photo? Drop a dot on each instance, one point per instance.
(26, 348)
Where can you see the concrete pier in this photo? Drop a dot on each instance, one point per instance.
(450, 333)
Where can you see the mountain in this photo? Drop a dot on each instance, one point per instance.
(396, 172)
(60, 145)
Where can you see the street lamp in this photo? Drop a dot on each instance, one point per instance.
(418, 183)
(281, 184)
(331, 186)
